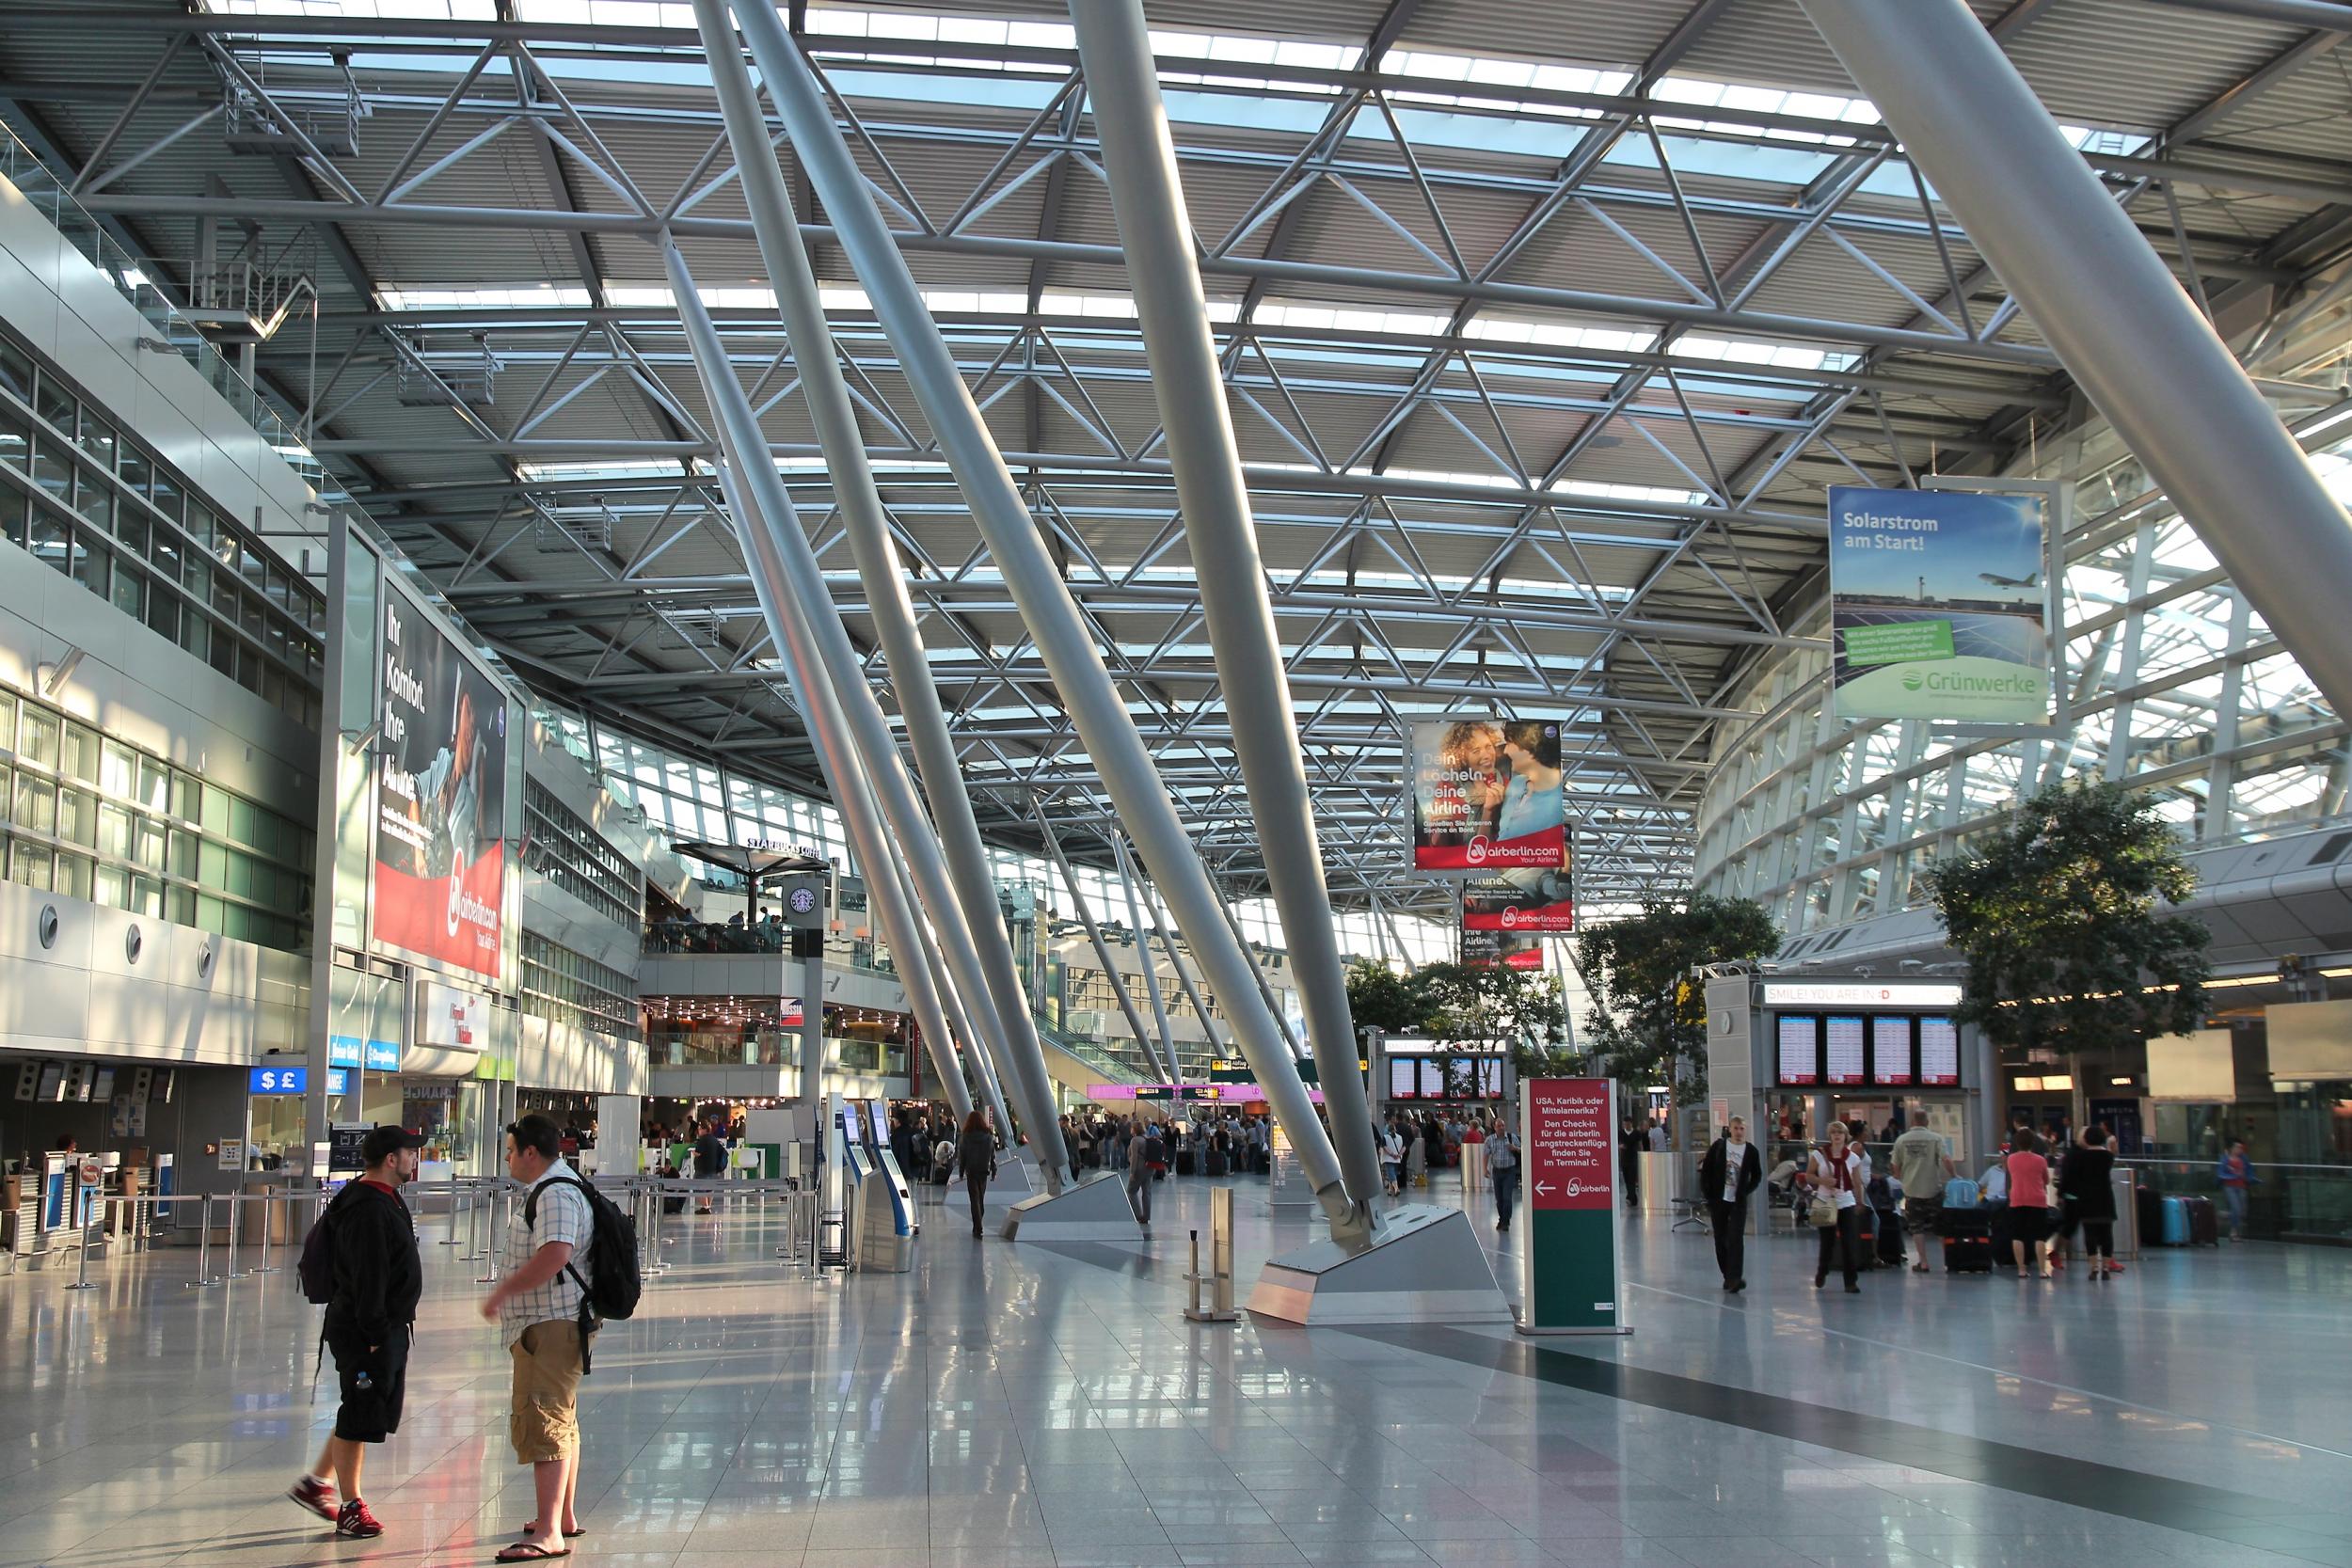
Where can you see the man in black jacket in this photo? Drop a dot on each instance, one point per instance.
(1731, 1170)
(710, 1160)
(378, 1279)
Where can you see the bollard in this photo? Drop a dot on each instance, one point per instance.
(81, 1279)
(203, 1279)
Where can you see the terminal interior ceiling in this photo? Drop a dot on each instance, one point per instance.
(1540, 359)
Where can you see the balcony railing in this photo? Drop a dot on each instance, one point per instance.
(169, 331)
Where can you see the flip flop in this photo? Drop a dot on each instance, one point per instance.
(529, 1551)
(568, 1535)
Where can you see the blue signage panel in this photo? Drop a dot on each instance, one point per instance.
(382, 1056)
(292, 1080)
(342, 1049)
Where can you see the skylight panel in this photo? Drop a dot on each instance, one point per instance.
(1655, 493)
(1513, 329)
(402, 10)
(643, 468)
(1491, 72)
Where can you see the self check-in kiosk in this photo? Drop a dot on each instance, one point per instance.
(880, 1213)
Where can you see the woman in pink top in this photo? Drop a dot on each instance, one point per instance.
(2030, 1202)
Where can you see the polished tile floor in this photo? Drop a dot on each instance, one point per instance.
(1032, 1404)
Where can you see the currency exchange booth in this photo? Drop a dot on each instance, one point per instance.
(1791, 1055)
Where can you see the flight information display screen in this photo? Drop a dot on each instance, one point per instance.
(1403, 1078)
(1939, 1050)
(1842, 1047)
(1800, 1048)
(1433, 1079)
(1890, 1050)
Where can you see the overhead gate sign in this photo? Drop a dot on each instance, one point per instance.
(1569, 1269)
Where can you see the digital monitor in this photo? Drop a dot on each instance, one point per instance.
(882, 1122)
(1433, 1083)
(1800, 1048)
(1490, 1078)
(1403, 1078)
(1939, 1050)
(1890, 1048)
(1842, 1048)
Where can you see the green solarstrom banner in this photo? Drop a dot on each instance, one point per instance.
(1940, 606)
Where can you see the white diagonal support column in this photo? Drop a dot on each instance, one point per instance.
(845, 776)
(1124, 89)
(1060, 633)
(1094, 935)
(1003, 1007)
(2113, 310)
(914, 845)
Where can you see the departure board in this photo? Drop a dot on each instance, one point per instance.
(1800, 1049)
(1890, 1050)
(1489, 1078)
(1433, 1083)
(1403, 1078)
(1939, 1050)
(1842, 1048)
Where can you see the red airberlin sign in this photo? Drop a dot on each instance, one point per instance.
(1571, 1147)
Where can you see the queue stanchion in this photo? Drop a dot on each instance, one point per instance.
(265, 1266)
(235, 1201)
(492, 1277)
(81, 1277)
(203, 1279)
(458, 1195)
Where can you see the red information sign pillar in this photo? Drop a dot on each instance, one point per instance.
(1568, 1265)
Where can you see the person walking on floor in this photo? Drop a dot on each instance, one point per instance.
(1141, 1156)
(1729, 1172)
(376, 1279)
(1922, 1165)
(539, 1305)
(2237, 1174)
(1833, 1173)
(975, 1156)
(2029, 1204)
(1503, 1168)
(2088, 1184)
(1631, 1142)
(710, 1160)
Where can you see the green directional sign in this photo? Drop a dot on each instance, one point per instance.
(1569, 1269)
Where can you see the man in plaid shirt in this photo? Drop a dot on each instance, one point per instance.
(543, 1263)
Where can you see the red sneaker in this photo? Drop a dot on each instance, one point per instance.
(315, 1494)
(355, 1521)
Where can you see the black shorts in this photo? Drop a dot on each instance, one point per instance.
(369, 1413)
(2028, 1223)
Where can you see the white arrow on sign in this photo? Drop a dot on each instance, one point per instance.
(1543, 1189)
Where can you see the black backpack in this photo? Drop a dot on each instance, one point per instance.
(614, 1282)
(316, 1267)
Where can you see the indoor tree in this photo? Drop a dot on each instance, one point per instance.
(1649, 1016)
(2063, 915)
(1474, 1010)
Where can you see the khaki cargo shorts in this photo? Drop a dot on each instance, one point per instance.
(544, 1422)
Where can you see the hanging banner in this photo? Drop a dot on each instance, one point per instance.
(1569, 1263)
(1941, 606)
(1541, 902)
(1488, 796)
(440, 852)
(1501, 949)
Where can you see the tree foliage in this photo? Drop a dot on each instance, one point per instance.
(1649, 1016)
(1392, 1001)
(2061, 918)
(1482, 1008)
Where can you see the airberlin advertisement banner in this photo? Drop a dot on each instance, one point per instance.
(1488, 796)
(440, 800)
(1568, 1274)
(1941, 606)
(1539, 902)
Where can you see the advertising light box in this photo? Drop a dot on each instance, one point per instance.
(1487, 796)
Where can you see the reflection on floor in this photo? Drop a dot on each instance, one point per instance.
(1016, 1404)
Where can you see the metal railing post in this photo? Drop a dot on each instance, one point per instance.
(236, 1203)
(492, 1277)
(459, 1194)
(265, 1266)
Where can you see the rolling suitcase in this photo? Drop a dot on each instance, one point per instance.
(1217, 1161)
(2204, 1226)
(2174, 1232)
(1183, 1161)
(1967, 1235)
(1890, 1238)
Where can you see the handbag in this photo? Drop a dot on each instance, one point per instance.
(1823, 1213)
